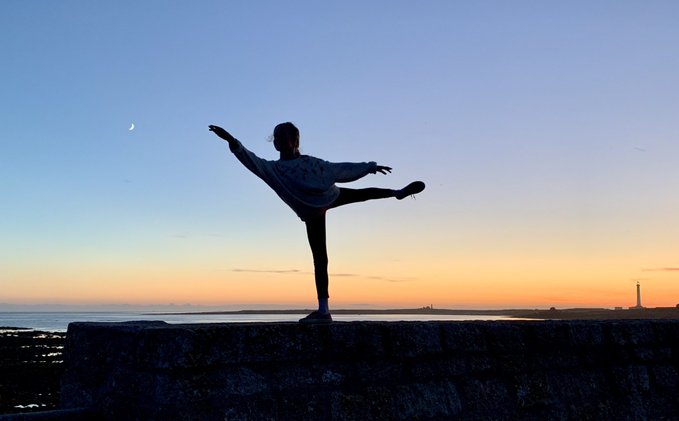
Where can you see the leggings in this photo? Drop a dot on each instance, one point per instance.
(315, 229)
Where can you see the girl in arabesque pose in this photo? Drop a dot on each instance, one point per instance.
(307, 185)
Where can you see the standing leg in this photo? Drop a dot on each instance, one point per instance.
(315, 229)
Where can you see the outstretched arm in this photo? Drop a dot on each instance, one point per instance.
(260, 167)
(346, 172)
(224, 135)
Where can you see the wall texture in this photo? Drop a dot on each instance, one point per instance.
(375, 370)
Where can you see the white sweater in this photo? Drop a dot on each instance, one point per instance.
(306, 184)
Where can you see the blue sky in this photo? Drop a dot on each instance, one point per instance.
(546, 132)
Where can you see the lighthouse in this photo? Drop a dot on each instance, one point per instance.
(638, 297)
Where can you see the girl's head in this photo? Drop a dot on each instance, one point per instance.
(286, 138)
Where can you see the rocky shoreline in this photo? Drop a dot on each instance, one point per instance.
(31, 366)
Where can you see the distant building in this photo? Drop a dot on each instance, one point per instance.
(638, 297)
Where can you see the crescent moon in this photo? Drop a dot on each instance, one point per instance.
(131, 127)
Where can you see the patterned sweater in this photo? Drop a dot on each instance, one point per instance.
(306, 184)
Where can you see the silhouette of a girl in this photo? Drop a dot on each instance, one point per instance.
(307, 185)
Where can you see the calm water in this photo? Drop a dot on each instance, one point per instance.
(57, 322)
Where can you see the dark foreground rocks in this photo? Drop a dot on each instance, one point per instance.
(30, 370)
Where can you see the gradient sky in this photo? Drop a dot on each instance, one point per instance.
(547, 133)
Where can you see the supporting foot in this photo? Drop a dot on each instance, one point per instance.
(317, 318)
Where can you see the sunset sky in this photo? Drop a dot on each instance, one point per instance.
(547, 133)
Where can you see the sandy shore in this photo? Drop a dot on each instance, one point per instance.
(30, 370)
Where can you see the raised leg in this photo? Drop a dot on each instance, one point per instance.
(361, 195)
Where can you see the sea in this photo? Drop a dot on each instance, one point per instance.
(58, 321)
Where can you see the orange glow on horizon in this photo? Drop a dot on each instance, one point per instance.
(298, 289)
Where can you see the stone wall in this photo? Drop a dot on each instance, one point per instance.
(375, 370)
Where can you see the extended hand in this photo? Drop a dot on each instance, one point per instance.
(221, 133)
(382, 169)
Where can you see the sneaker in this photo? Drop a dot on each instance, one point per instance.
(317, 318)
(409, 190)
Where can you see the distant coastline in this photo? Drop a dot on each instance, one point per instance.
(603, 314)
(423, 311)
(553, 313)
